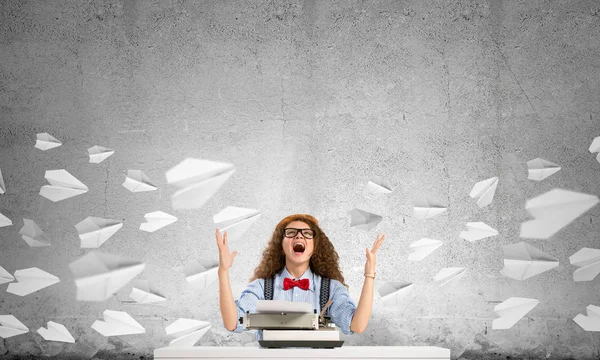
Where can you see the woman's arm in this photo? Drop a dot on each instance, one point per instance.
(227, 304)
(361, 316)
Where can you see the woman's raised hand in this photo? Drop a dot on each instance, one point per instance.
(372, 254)
(225, 257)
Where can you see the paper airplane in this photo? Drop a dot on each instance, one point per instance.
(33, 235)
(188, 331)
(392, 292)
(477, 231)
(512, 310)
(450, 276)
(363, 220)
(2, 186)
(422, 248)
(5, 276)
(4, 221)
(117, 323)
(554, 210)
(46, 141)
(379, 185)
(595, 147)
(201, 273)
(156, 220)
(591, 322)
(143, 293)
(424, 209)
(522, 261)
(94, 231)
(63, 185)
(588, 260)
(98, 275)
(56, 332)
(31, 280)
(98, 154)
(10, 326)
(137, 181)
(235, 221)
(198, 179)
(484, 191)
(539, 169)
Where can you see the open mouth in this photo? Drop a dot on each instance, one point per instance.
(298, 248)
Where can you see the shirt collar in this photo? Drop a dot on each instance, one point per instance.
(307, 275)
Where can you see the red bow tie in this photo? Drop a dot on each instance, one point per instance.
(290, 283)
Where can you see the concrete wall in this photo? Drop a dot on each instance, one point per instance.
(308, 99)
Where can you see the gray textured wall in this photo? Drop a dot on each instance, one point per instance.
(308, 99)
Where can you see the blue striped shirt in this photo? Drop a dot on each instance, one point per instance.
(341, 309)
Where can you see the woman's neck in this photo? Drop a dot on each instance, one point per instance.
(296, 270)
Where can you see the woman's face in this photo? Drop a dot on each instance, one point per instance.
(297, 248)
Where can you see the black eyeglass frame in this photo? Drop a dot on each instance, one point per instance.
(301, 231)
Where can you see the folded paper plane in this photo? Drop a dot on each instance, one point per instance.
(2, 186)
(539, 169)
(98, 154)
(4, 221)
(10, 326)
(595, 147)
(144, 293)
(450, 276)
(522, 261)
(422, 248)
(198, 181)
(424, 209)
(137, 181)
(63, 185)
(117, 323)
(588, 262)
(512, 310)
(201, 273)
(392, 292)
(554, 210)
(188, 332)
(46, 141)
(235, 221)
(156, 220)
(363, 220)
(379, 185)
(31, 280)
(33, 235)
(477, 231)
(94, 231)
(484, 191)
(591, 322)
(5, 276)
(56, 332)
(98, 275)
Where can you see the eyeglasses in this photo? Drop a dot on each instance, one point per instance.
(291, 232)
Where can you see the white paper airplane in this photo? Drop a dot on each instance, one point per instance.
(591, 322)
(31, 280)
(522, 261)
(33, 235)
(201, 273)
(588, 260)
(198, 180)
(4, 221)
(539, 169)
(554, 210)
(477, 231)
(363, 220)
(235, 221)
(512, 310)
(156, 220)
(424, 209)
(422, 248)
(5, 276)
(595, 147)
(94, 231)
(56, 332)
(137, 181)
(117, 323)
(63, 185)
(392, 292)
(484, 191)
(450, 276)
(10, 326)
(2, 186)
(98, 154)
(379, 185)
(144, 293)
(46, 141)
(188, 331)
(98, 275)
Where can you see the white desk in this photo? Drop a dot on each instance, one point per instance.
(341, 353)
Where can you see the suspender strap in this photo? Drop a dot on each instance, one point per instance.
(269, 288)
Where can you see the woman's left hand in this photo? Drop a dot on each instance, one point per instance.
(371, 254)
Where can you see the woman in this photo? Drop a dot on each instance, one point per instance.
(298, 255)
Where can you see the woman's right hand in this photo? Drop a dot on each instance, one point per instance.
(225, 257)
